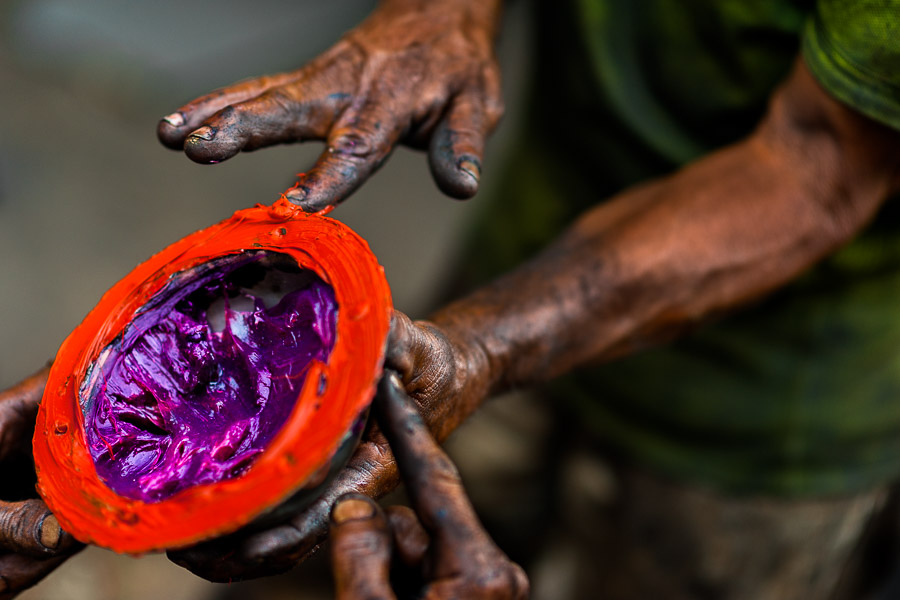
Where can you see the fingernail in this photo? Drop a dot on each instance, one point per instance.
(206, 133)
(352, 509)
(176, 119)
(296, 195)
(51, 532)
(395, 380)
(471, 168)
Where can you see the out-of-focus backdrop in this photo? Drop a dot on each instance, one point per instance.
(86, 191)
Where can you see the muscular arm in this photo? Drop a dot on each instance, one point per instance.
(634, 271)
(660, 257)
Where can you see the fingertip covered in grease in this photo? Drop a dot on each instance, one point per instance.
(169, 134)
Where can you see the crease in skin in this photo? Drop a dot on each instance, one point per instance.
(206, 373)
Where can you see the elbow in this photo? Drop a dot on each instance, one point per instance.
(843, 163)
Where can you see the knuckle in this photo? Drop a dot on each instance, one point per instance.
(354, 142)
(361, 543)
(279, 100)
(21, 520)
(443, 470)
(227, 114)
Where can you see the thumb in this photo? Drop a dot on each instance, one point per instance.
(30, 528)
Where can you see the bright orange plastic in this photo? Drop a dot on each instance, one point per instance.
(333, 396)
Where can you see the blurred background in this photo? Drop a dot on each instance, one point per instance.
(86, 191)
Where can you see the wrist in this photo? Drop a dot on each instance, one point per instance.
(476, 16)
(479, 374)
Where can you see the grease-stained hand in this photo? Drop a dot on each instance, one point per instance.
(440, 551)
(445, 375)
(417, 72)
(32, 543)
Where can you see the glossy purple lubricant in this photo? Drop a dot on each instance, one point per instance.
(206, 373)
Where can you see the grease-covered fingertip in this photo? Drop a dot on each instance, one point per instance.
(458, 179)
(297, 195)
(301, 196)
(169, 135)
(209, 145)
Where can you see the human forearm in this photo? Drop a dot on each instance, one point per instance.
(658, 258)
(471, 15)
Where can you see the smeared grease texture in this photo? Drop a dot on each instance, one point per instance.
(205, 374)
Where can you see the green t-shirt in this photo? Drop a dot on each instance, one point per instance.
(797, 395)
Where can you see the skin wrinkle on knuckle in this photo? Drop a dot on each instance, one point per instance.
(354, 144)
(366, 470)
(21, 524)
(440, 495)
(361, 542)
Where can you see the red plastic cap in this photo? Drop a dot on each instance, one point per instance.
(332, 398)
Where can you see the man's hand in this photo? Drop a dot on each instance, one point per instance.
(416, 72)
(447, 377)
(440, 549)
(32, 543)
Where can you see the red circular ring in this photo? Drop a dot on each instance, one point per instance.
(332, 398)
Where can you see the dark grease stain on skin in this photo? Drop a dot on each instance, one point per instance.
(205, 375)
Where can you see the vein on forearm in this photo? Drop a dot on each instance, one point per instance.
(661, 257)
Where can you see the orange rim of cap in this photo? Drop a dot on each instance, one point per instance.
(332, 398)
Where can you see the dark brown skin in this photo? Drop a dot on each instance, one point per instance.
(636, 270)
(661, 257)
(417, 72)
(441, 544)
(32, 543)
(432, 369)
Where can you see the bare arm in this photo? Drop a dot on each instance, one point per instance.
(634, 271)
(660, 257)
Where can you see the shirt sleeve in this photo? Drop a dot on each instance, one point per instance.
(852, 47)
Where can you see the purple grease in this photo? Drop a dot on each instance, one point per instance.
(172, 403)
